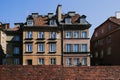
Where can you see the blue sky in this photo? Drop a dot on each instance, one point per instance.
(97, 11)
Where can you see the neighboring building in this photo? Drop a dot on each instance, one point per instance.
(3, 42)
(76, 41)
(14, 45)
(105, 42)
(41, 40)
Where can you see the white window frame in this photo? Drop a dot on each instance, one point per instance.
(53, 61)
(16, 50)
(76, 61)
(52, 22)
(40, 47)
(84, 47)
(29, 34)
(52, 35)
(29, 47)
(68, 34)
(41, 35)
(76, 48)
(41, 61)
(52, 47)
(67, 20)
(84, 61)
(76, 34)
(68, 61)
(29, 22)
(68, 47)
(84, 34)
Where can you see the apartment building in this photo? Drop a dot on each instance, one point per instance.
(105, 42)
(52, 39)
(3, 42)
(76, 41)
(41, 40)
(14, 45)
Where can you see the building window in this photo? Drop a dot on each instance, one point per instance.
(53, 61)
(29, 62)
(83, 21)
(96, 54)
(68, 34)
(68, 47)
(29, 22)
(76, 61)
(84, 61)
(76, 48)
(108, 39)
(84, 34)
(16, 38)
(96, 34)
(41, 47)
(29, 47)
(16, 61)
(16, 50)
(4, 61)
(101, 54)
(52, 35)
(76, 34)
(41, 35)
(109, 51)
(52, 22)
(29, 34)
(41, 61)
(84, 47)
(68, 61)
(102, 31)
(68, 20)
(109, 27)
(52, 47)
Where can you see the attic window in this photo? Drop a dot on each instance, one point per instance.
(52, 22)
(82, 21)
(68, 20)
(29, 22)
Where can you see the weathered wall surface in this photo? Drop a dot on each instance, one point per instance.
(59, 73)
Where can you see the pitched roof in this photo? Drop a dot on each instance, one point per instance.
(114, 20)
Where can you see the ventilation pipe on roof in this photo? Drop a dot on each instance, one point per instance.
(58, 13)
(117, 14)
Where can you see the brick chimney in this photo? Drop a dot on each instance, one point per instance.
(58, 13)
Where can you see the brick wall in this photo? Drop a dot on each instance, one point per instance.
(59, 73)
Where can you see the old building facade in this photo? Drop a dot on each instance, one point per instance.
(105, 42)
(52, 39)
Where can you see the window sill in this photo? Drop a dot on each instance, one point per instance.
(28, 38)
(28, 52)
(52, 52)
(40, 38)
(40, 52)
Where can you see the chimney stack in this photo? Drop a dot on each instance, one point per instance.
(59, 13)
(117, 14)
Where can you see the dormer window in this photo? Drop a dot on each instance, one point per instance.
(68, 20)
(83, 19)
(52, 22)
(29, 22)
